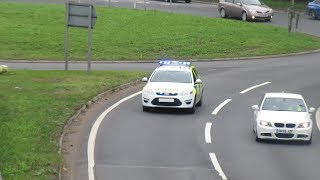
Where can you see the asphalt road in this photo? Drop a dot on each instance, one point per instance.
(136, 145)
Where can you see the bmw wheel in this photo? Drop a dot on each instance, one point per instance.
(223, 13)
(257, 138)
(310, 141)
(244, 16)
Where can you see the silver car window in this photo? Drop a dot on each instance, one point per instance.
(284, 104)
(251, 2)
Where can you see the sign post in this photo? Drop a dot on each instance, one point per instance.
(83, 16)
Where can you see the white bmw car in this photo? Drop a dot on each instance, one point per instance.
(283, 116)
(173, 84)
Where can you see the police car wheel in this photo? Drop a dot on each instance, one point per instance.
(191, 110)
(144, 108)
(200, 102)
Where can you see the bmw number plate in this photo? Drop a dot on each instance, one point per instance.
(284, 131)
(166, 100)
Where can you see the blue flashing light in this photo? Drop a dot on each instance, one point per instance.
(170, 62)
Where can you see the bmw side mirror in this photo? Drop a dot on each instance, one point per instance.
(198, 81)
(255, 107)
(145, 79)
(239, 4)
(311, 110)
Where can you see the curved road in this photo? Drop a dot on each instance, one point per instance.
(217, 141)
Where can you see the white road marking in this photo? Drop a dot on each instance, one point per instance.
(217, 166)
(253, 87)
(208, 132)
(93, 134)
(217, 109)
(318, 118)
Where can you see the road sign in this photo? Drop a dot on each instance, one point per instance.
(79, 15)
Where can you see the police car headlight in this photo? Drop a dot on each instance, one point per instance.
(265, 123)
(149, 92)
(185, 93)
(304, 125)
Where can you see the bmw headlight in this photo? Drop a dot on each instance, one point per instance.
(265, 123)
(187, 92)
(148, 91)
(304, 125)
(252, 11)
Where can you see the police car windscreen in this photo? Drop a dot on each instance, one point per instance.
(284, 104)
(172, 76)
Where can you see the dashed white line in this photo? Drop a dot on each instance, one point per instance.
(253, 87)
(217, 166)
(318, 118)
(93, 135)
(217, 109)
(208, 132)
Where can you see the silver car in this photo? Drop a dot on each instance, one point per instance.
(245, 9)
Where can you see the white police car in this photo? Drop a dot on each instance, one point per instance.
(173, 84)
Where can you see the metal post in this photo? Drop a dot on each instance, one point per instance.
(297, 19)
(66, 50)
(170, 5)
(109, 3)
(135, 4)
(89, 38)
(144, 3)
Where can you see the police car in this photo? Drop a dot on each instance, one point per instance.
(173, 84)
(283, 116)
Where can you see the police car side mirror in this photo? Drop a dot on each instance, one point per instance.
(198, 81)
(311, 110)
(145, 79)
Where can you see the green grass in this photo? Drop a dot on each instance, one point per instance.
(34, 106)
(31, 31)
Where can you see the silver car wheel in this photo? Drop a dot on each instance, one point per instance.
(244, 16)
(223, 13)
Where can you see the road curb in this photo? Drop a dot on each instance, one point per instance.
(152, 61)
(83, 108)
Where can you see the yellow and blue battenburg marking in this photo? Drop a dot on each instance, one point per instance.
(171, 62)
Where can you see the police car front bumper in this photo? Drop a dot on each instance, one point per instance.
(168, 101)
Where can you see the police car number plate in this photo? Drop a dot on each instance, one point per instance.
(165, 100)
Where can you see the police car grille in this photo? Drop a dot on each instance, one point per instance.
(166, 94)
(282, 135)
(176, 102)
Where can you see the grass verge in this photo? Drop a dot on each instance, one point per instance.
(34, 108)
(30, 31)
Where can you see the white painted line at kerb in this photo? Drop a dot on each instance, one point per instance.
(208, 132)
(217, 166)
(318, 118)
(254, 87)
(93, 134)
(217, 109)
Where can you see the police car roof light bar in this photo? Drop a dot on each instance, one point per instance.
(170, 62)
